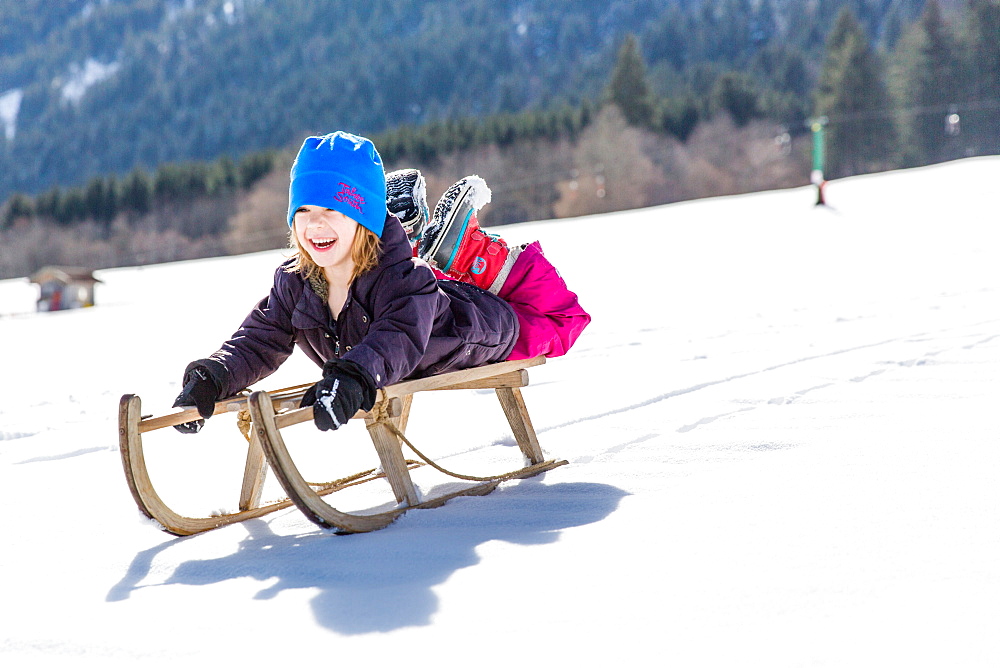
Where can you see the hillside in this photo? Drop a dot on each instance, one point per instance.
(91, 88)
(610, 166)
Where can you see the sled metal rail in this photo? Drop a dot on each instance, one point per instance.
(269, 412)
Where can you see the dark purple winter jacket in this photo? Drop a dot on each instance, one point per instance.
(398, 322)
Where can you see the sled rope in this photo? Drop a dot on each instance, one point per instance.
(346, 481)
(244, 422)
(382, 417)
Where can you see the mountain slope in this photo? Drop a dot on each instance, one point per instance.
(91, 88)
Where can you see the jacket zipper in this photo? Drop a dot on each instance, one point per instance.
(333, 330)
(333, 325)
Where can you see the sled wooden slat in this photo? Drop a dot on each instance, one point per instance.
(253, 474)
(273, 411)
(518, 378)
(517, 415)
(190, 413)
(300, 415)
(457, 379)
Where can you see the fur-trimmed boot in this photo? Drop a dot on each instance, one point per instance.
(454, 243)
(406, 198)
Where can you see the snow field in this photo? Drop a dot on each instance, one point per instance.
(781, 435)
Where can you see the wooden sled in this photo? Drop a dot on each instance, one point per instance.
(262, 415)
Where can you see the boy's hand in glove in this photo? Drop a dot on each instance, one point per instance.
(345, 389)
(201, 390)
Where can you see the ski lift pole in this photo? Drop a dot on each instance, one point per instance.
(818, 125)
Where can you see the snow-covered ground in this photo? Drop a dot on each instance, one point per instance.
(781, 426)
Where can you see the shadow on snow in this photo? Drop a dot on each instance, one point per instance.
(382, 581)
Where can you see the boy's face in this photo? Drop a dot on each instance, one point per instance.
(327, 236)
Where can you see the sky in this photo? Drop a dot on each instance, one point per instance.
(780, 427)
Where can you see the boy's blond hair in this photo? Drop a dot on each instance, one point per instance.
(364, 251)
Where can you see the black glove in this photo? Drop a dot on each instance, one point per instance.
(202, 390)
(345, 389)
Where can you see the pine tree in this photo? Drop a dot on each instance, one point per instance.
(929, 83)
(19, 206)
(678, 117)
(101, 199)
(71, 207)
(670, 37)
(982, 56)
(736, 94)
(48, 202)
(628, 88)
(861, 135)
(847, 24)
(253, 167)
(137, 192)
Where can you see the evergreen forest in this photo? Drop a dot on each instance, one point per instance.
(170, 123)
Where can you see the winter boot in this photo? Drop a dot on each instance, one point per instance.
(406, 198)
(457, 246)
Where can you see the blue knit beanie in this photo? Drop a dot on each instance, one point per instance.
(342, 172)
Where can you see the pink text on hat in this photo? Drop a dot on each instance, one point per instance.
(349, 194)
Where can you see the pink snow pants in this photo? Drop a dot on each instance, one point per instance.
(549, 313)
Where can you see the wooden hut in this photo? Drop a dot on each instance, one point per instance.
(64, 288)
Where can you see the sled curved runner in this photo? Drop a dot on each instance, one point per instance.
(131, 426)
(270, 412)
